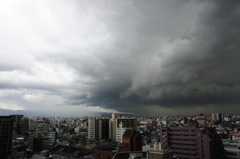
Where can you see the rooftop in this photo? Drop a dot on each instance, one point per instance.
(201, 114)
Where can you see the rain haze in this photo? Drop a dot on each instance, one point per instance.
(75, 58)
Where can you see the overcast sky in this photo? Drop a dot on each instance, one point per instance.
(168, 57)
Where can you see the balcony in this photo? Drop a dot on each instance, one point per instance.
(182, 133)
(182, 142)
(186, 156)
(184, 146)
(183, 137)
(192, 152)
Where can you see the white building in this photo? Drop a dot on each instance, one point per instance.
(115, 130)
(232, 152)
(216, 117)
(91, 128)
(113, 126)
(120, 131)
(52, 137)
(235, 136)
(99, 128)
(31, 125)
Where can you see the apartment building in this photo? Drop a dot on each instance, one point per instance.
(192, 142)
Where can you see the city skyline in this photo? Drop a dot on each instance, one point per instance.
(170, 57)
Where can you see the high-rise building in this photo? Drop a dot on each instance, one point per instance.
(6, 131)
(113, 126)
(24, 124)
(31, 125)
(119, 125)
(105, 128)
(17, 118)
(120, 131)
(127, 122)
(192, 142)
(17, 122)
(53, 137)
(132, 141)
(91, 128)
(217, 117)
(98, 128)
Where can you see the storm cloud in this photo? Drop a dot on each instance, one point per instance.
(131, 56)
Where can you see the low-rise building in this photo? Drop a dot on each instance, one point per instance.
(235, 136)
(105, 153)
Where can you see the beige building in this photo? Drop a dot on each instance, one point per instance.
(91, 128)
(113, 126)
(159, 152)
(105, 128)
(120, 131)
(119, 125)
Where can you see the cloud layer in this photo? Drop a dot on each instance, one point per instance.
(129, 56)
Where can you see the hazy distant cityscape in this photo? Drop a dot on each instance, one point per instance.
(212, 136)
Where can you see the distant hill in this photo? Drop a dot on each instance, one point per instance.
(29, 113)
(21, 112)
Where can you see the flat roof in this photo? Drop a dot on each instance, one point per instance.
(232, 149)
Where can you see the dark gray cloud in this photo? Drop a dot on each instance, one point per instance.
(201, 69)
(130, 56)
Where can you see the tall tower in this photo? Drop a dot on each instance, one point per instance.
(24, 124)
(98, 128)
(217, 117)
(17, 120)
(114, 125)
(6, 131)
(91, 128)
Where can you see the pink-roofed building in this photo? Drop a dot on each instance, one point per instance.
(201, 119)
(235, 136)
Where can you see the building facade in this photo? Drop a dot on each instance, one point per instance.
(201, 120)
(217, 117)
(6, 131)
(105, 153)
(105, 128)
(132, 141)
(98, 128)
(53, 137)
(158, 152)
(194, 143)
(120, 131)
(17, 121)
(235, 136)
(119, 125)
